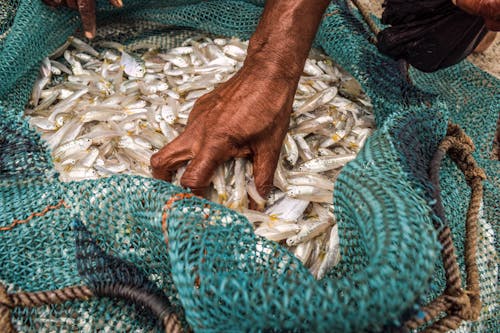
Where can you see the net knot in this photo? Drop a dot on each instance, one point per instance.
(462, 305)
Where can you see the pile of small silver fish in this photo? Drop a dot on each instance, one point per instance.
(106, 112)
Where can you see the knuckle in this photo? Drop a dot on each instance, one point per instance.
(203, 102)
(202, 99)
(156, 161)
(192, 181)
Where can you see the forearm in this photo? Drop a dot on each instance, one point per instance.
(285, 34)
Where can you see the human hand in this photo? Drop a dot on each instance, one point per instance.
(487, 9)
(247, 116)
(86, 9)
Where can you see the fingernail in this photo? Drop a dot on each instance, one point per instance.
(89, 34)
(119, 3)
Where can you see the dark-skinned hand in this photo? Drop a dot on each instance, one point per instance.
(489, 10)
(86, 9)
(247, 116)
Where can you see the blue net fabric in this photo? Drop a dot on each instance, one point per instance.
(217, 275)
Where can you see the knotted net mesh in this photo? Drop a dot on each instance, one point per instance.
(215, 273)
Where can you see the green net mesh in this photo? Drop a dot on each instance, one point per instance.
(217, 275)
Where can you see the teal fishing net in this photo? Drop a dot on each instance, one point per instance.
(214, 273)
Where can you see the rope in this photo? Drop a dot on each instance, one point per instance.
(34, 299)
(171, 323)
(6, 305)
(155, 303)
(365, 13)
(158, 304)
(458, 304)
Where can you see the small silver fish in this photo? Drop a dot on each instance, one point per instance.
(303, 251)
(107, 113)
(291, 150)
(308, 231)
(332, 256)
(219, 182)
(278, 232)
(64, 151)
(132, 66)
(309, 193)
(310, 68)
(288, 208)
(235, 51)
(43, 123)
(82, 46)
(310, 179)
(79, 173)
(37, 90)
(322, 97)
(239, 198)
(325, 163)
(90, 158)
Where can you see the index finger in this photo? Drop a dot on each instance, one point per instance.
(87, 13)
(199, 172)
(170, 157)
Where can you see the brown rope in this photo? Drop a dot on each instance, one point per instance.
(403, 65)
(365, 13)
(456, 303)
(6, 305)
(158, 305)
(34, 299)
(169, 320)
(171, 323)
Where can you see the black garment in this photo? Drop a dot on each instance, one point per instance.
(429, 34)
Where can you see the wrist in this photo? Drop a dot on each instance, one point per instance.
(263, 67)
(274, 60)
(285, 33)
(279, 47)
